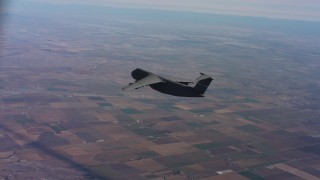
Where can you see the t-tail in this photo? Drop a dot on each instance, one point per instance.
(203, 83)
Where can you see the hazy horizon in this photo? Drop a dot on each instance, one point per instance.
(286, 9)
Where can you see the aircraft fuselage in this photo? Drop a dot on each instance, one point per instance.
(167, 87)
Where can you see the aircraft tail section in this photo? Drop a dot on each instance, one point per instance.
(202, 83)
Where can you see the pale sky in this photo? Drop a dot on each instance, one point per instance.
(283, 9)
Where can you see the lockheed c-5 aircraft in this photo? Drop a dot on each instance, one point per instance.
(167, 86)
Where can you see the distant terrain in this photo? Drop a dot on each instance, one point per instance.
(63, 114)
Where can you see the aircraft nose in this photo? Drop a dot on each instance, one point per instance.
(138, 74)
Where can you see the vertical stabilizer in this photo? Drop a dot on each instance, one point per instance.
(203, 83)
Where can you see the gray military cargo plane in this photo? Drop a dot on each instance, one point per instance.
(176, 88)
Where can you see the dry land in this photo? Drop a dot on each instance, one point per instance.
(63, 114)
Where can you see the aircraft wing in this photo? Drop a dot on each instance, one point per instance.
(148, 80)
